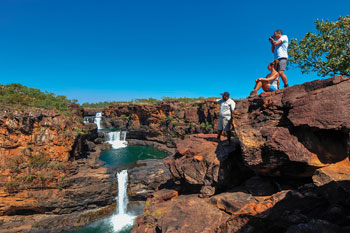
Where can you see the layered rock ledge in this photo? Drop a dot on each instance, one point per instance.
(51, 179)
(286, 172)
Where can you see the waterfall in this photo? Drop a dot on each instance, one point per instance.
(117, 139)
(88, 119)
(122, 220)
(97, 119)
(122, 191)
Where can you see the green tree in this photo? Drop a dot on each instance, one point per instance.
(327, 52)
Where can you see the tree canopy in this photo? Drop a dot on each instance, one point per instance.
(15, 94)
(327, 52)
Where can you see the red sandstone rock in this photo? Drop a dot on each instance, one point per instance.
(296, 130)
(163, 122)
(201, 162)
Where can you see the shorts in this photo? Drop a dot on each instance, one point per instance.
(282, 64)
(271, 89)
(224, 124)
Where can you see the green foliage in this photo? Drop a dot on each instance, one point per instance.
(104, 104)
(11, 186)
(327, 52)
(16, 163)
(57, 165)
(123, 116)
(147, 101)
(206, 126)
(19, 96)
(148, 202)
(175, 123)
(169, 118)
(39, 161)
(82, 131)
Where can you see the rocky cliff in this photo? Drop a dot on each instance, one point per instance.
(287, 170)
(164, 122)
(49, 172)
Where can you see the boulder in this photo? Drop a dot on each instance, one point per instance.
(145, 177)
(203, 165)
(294, 131)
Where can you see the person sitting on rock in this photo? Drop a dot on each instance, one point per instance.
(227, 106)
(268, 84)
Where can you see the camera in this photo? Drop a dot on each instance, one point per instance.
(271, 38)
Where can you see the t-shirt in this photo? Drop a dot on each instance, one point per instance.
(226, 107)
(281, 50)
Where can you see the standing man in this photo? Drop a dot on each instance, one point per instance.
(227, 106)
(279, 44)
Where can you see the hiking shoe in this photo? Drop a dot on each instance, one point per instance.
(286, 85)
(253, 94)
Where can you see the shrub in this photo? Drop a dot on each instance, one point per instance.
(12, 186)
(39, 161)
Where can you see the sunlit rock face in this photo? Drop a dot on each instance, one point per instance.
(288, 170)
(49, 170)
(293, 131)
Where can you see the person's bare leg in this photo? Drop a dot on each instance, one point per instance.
(284, 77)
(266, 86)
(219, 135)
(229, 136)
(257, 86)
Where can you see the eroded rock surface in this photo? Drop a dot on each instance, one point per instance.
(49, 166)
(145, 177)
(293, 131)
(202, 164)
(296, 140)
(164, 122)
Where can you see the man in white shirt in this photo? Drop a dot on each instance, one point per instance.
(279, 44)
(227, 106)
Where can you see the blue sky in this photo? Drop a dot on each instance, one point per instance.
(123, 49)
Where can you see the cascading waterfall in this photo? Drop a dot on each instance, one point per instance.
(97, 120)
(122, 220)
(117, 139)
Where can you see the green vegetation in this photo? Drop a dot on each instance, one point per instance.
(327, 52)
(12, 186)
(39, 161)
(15, 94)
(106, 104)
(207, 126)
(82, 131)
(175, 123)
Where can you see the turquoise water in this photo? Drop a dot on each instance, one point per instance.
(102, 226)
(121, 158)
(124, 157)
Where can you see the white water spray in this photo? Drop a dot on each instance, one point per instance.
(117, 139)
(122, 219)
(97, 120)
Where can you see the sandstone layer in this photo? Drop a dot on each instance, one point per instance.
(49, 168)
(164, 122)
(286, 172)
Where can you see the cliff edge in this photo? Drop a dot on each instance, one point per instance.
(288, 169)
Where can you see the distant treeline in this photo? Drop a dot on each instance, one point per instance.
(145, 101)
(20, 96)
